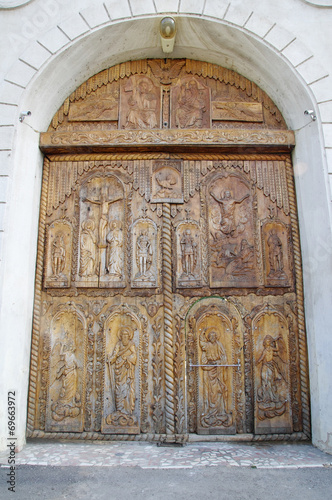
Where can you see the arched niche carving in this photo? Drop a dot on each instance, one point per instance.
(101, 232)
(123, 331)
(215, 367)
(67, 360)
(271, 364)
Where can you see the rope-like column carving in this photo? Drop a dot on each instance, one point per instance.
(304, 378)
(37, 302)
(155, 156)
(168, 318)
(179, 438)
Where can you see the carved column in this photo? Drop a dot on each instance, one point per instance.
(38, 303)
(304, 376)
(168, 318)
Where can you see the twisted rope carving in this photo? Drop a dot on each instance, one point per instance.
(304, 378)
(37, 302)
(168, 318)
(179, 438)
(97, 436)
(295, 436)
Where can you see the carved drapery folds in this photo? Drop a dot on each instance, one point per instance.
(168, 289)
(65, 408)
(215, 344)
(121, 412)
(271, 372)
(101, 236)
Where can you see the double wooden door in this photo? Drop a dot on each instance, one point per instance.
(168, 296)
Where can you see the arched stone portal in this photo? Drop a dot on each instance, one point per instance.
(165, 182)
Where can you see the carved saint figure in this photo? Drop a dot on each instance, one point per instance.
(188, 254)
(167, 186)
(103, 202)
(114, 252)
(142, 103)
(275, 253)
(69, 402)
(227, 208)
(215, 379)
(88, 249)
(272, 361)
(144, 254)
(122, 364)
(191, 106)
(58, 255)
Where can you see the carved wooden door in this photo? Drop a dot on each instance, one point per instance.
(168, 287)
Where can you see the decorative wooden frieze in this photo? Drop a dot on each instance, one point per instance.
(51, 142)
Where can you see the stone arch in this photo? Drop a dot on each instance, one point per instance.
(260, 56)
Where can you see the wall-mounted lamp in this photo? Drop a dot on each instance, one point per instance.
(167, 34)
(23, 115)
(311, 113)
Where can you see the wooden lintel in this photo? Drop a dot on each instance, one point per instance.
(96, 141)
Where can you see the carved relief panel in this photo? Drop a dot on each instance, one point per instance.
(215, 368)
(275, 242)
(101, 248)
(145, 254)
(58, 254)
(121, 412)
(232, 214)
(167, 182)
(140, 104)
(271, 372)
(190, 104)
(189, 254)
(66, 384)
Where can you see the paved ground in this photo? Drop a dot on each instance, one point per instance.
(112, 471)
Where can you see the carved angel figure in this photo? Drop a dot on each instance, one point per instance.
(68, 403)
(88, 249)
(58, 255)
(122, 364)
(214, 376)
(272, 374)
(188, 254)
(114, 250)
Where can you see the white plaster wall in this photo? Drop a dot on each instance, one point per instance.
(50, 47)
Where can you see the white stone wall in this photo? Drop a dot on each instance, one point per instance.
(49, 47)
